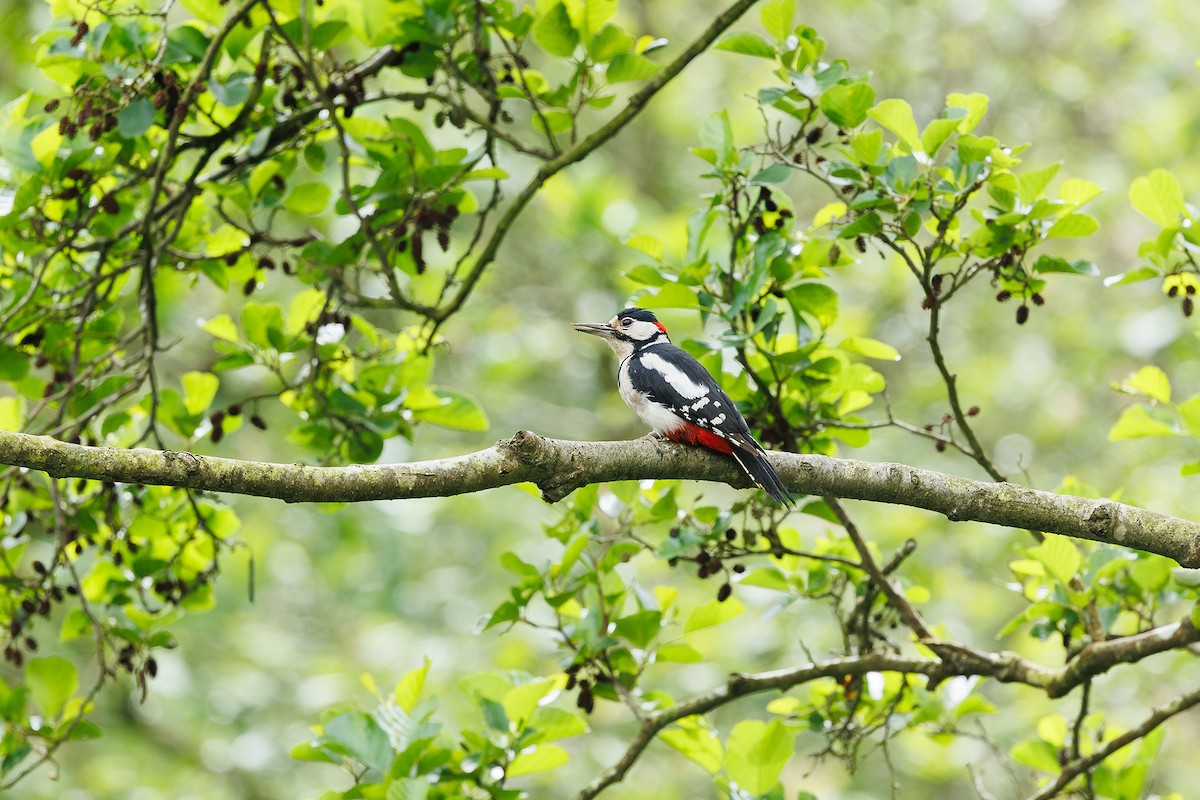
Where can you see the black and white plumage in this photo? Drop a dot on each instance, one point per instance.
(676, 396)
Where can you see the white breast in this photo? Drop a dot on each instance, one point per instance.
(659, 419)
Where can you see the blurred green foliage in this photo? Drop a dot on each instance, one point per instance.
(835, 227)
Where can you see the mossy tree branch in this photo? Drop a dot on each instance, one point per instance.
(559, 467)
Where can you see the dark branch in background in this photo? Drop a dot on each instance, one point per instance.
(559, 467)
(633, 107)
(1005, 667)
(1080, 765)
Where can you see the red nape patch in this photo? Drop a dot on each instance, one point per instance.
(694, 434)
(661, 327)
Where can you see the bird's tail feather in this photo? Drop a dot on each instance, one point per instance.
(754, 463)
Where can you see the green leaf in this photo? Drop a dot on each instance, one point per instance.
(51, 681)
(669, 295)
(552, 723)
(756, 754)
(692, 737)
(541, 758)
(1037, 754)
(308, 199)
(746, 43)
(1133, 276)
(777, 16)
(232, 91)
(454, 410)
(1073, 226)
(640, 628)
(975, 104)
(609, 42)
(135, 119)
(520, 702)
(1158, 197)
(1189, 412)
(1151, 382)
(1151, 572)
(897, 116)
(360, 736)
(1136, 422)
(554, 33)
(631, 67)
(713, 613)
(1033, 183)
(222, 327)
(816, 300)
(937, 132)
(870, 348)
(773, 175)
(409, 687)
(259, 320)
(1060, 555)
(199, 389)
(1077, 191)
(14, 364)
(1055, 264)
(678, 653)
(847, 104)
(595, 14)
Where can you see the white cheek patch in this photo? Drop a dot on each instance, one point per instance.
(674, 376)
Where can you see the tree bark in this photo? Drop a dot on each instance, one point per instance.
(559, 467)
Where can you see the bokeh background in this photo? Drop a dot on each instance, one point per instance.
(1110, 87)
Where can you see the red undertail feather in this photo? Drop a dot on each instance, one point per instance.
(695, 435)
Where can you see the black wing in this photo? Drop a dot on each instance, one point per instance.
(669, 376)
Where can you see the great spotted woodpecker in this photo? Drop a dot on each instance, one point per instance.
(674, 394)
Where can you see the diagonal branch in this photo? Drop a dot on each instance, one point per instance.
(559, 467)
(633, 107)
(1079, 766)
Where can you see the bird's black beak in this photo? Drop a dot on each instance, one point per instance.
(601, 329)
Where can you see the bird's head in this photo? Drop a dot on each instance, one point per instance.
(630, 330)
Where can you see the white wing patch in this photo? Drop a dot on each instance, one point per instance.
(674, 376)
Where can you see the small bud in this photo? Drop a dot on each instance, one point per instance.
(1022, 314)
(814, 135)
(973, 411)
(1003, 296)
(724, 592)
(52, 106)
(940, 446)
(1037, 299)
(739, 568)
(258, 422)
(1187, 306)
(861, 243)
(730, 535)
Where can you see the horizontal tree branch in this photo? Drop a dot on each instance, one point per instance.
(559, 467)
(962, 661)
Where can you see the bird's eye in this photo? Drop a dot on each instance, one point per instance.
(625, 323)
